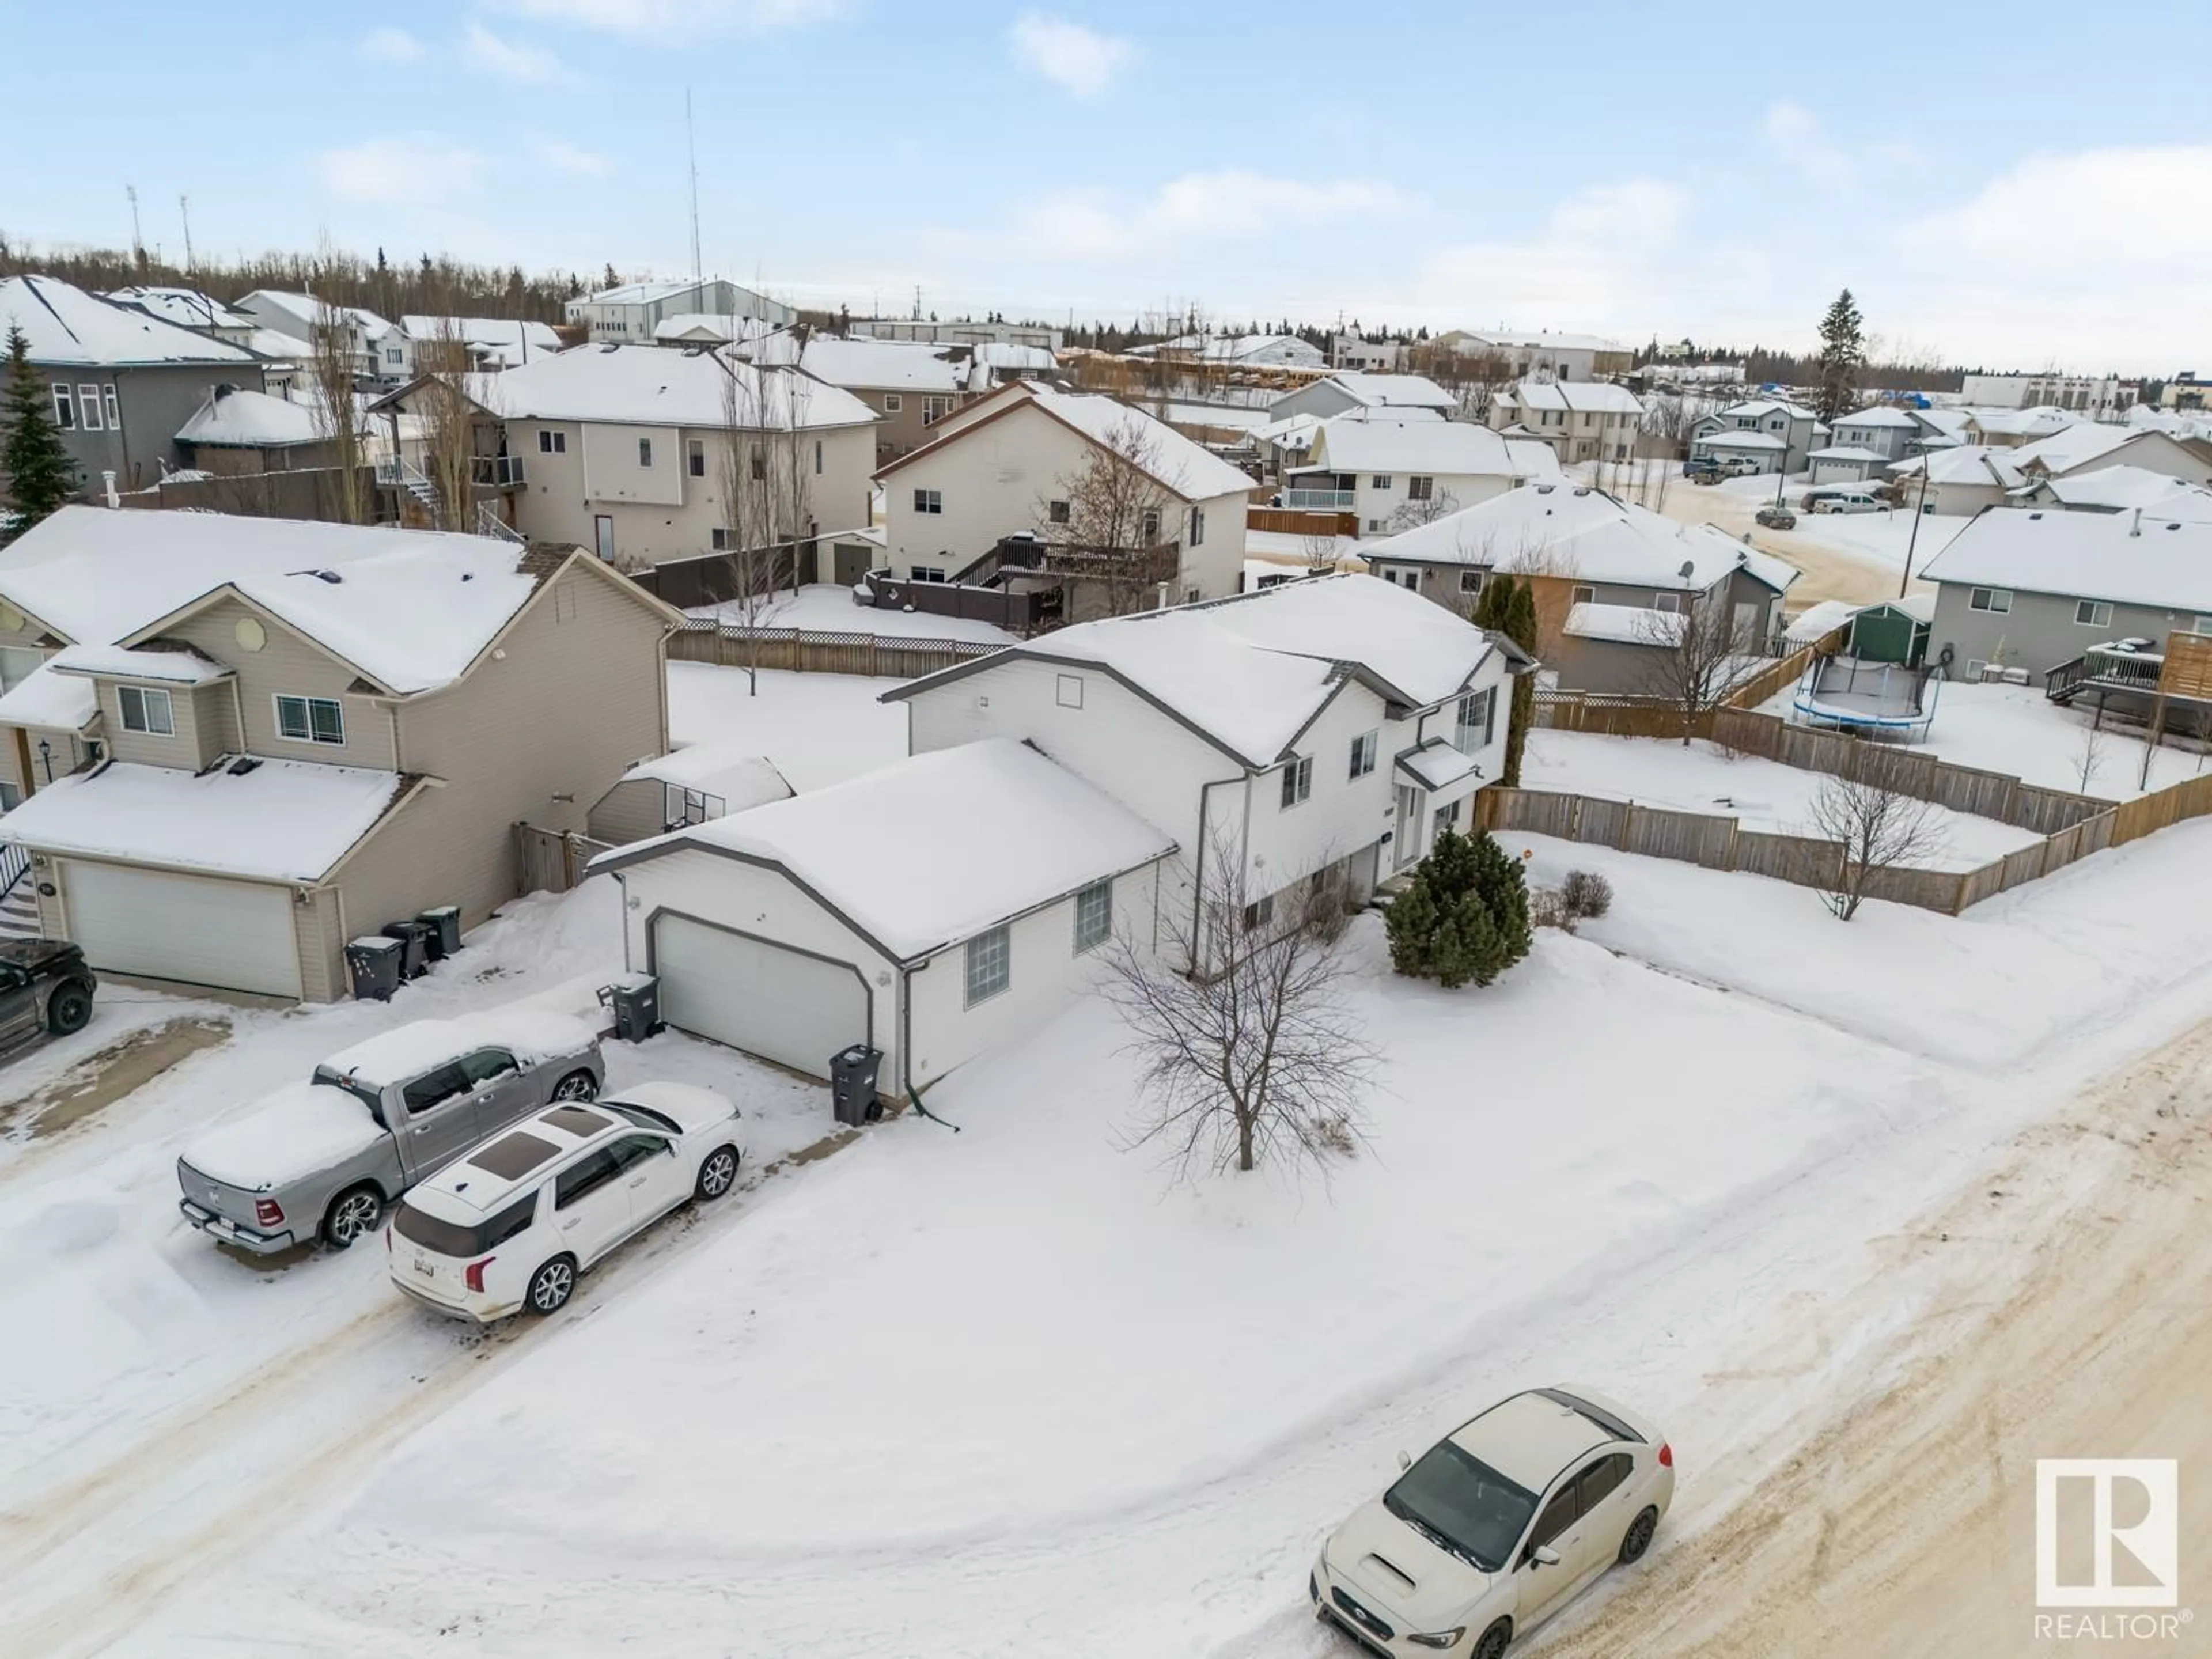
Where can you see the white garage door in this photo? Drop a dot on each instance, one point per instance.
(228, 933)
(780, 1005)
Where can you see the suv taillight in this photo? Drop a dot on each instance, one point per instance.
(474, 1275)
(268, 1213)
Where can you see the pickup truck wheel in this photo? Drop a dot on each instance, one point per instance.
(577, 1086)
(717, 1175)
(551, 1286)
(353, 1215)
(70, 1008)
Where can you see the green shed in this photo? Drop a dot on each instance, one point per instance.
(1894, 631)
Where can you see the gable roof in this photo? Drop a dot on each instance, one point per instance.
(509, 339)
(661, 386)
(1189, 470)
(253, 419)
(1760, 407)
(1590, 396)
(2071, 446)
(1367, 445)
(1393, 391)
(1877, 414)
(65, 325)
(2097, 556)
(307, 311)
(1962, 463)
(886, 365)
(1740, 438)
(2041, 421)
(187, 307)
(2117, 489)
(829, 841)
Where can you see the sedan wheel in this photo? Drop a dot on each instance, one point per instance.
(551, 1286)
(718, 1174)
(68, 1009)
(1639, 1537)
(577, 1086)
(1493, 1644)
(353, 1217)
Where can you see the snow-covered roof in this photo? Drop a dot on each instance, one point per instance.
(1294, 432)
(281, 820)
(831, 841)
(734, 771)
(655, 386)
(175, 667)
(1532, 459)
(50, 701)
(1963, 463)
(1394, 391)
(250, 420)
(1761, 566)
(1568, 530)
(1285, 350)
(886, 365)
(2116, 489)
(720, 326)
(1541, 339)
(2071, 446)
(1817, 622)
(1001, 354)
(505, 340)
(279, 347)
(1951, 421)
(1835, 452)
(1877, 414)
(2166, 562)
(1729, 438)
(1590, 396)
(2041, 421)
(1760, 407)
(1190, 470)
(187, 307)
(1625, 624)
(1423, 652)
(646, 294)
(1457, 449)
(66, 326)
(1921, 607)
(1436, 764)
(308, 312)
(410, 608)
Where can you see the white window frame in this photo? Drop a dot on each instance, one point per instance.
(1260, 913)
(1380, 481)
(1477, 711)
(718, 539)
(551, 442)
(1365, 749)
(1582, 594)
(893, 403)
(157, 717)
(1094, 915)
(925, 573)
(988, 965)
(1067, 692)
(1297, 782)
(930, 502)
(1669, 604)
(114, 411)
(1470, 581)
(2093, 619)
(1984, 600)
(935, 409)
(1148, 525)
(694, 456)
(87, 408)
(1197, 527)
(645, 453)
(278, 701)
(65, 407)
(1421, 487)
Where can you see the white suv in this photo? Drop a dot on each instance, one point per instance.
(1496, 1527)
(510, 1225)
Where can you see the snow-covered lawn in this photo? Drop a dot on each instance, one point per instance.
(825, 607)
(2012, 729)
(815, 729)
(1762, 795)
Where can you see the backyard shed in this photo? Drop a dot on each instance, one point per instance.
(1893, 631)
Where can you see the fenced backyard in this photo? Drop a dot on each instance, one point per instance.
(811, 651)
(550, 860)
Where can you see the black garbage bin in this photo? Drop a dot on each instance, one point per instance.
(415, 936)
(444, 921)
(635, 1001)
(375, 963)
(853, 1084)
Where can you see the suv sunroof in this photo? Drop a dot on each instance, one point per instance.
(576, 1120)
(512, 1157)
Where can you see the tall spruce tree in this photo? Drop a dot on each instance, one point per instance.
(1843, 354)
(1509, 607)
(36, 470)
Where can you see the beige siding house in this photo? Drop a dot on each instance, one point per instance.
(909, 385)
(281, 735)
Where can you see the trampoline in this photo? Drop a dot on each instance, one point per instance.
(1873, 699)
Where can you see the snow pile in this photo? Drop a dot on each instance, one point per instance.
(301, 1129)
(724, 770)
(828, 608)
(532, 1036)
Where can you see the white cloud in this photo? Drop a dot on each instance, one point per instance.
(559, 154)
(406, 167)
(1228, 205)
(1794, 137)
(512, 60)
(674, 23)
(1076, 59)
(389, 45)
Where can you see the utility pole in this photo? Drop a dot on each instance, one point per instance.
(1920, 512)
(691, 148)
(184, 207)
(137, 241)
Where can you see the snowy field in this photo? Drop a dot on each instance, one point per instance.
(1013, 1390)
(827, 608)
(2012, 729)
(815, 729)
(1762, 795)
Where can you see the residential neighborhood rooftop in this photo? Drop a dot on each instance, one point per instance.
(2104, 556)
(1367, 445)
(65, 325)
(661, 386)
(240, 417)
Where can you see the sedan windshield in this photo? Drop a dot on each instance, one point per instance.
(1462, 1504)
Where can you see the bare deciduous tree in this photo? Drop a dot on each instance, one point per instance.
(338, 421)
(1694, 657)
(2089, 754)
(1879, 826)
(1255, 1058)
(1113, 511)
(448, 421)
(1412, 515)
(767, 476)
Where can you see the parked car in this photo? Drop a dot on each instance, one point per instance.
(1701, 469)
(1776, 517)
(44, 986)
(324, 1158)
(510, 1226)
(1849, 502)
(1741, 465)
(1496, 1527)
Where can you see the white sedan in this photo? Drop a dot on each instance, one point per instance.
(1496, 1527)
(510, 1225)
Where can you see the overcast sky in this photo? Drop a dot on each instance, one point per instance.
(2017, 185)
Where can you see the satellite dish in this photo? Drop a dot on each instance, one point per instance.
(1689, 569)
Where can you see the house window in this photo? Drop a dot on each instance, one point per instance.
(1297, 782)
(1148, 528)
(694, 456)
(1470, 581)
(88, 407)
(1197, 527)
(115, 415)
(935, 409)
(310, 719)
(552, 443)
(925, 573)
(718, 539)
(929, 500)
(1382, 481)
(893, 403)
(1666, 602)
(1447, 816)
(1259, 914)
(2092, 613)
(1364, 748)
(1056, 511)
(17, 664)
(145, 709)
(990, 964)
(817, 458)
(1094, 915)
(1584, 594)
(2202, 625)
(65, 408)
(1069, 692)
(757, 466)
(1996, 600)
(1474, 720)
(1420, 489)
(392, 356)
(645, 452)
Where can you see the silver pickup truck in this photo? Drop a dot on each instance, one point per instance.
(324, 1158)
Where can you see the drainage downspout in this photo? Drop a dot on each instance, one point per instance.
(906, 1045)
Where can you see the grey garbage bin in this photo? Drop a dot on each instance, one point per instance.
(415, 936)
(373, 963)
(853, 1084)
(635, 1001)
(444, 921)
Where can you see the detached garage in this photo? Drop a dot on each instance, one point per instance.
(789, 930)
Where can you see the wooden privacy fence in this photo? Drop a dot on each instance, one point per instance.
(1785, 671)
(888, 656)
(1612, 715)
(550, 860)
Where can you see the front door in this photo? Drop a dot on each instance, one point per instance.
(442, 1119)
(851, 562)
(605, 526)
(1406, 834)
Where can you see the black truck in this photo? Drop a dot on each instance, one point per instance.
(44, 986)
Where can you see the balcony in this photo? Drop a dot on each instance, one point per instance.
(1317, 500)
(495, 471)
